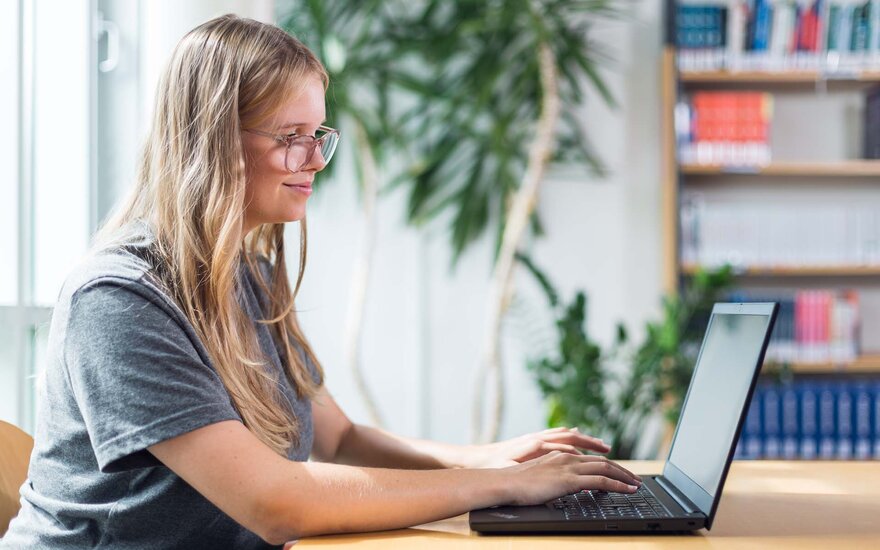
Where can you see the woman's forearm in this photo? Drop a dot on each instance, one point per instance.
(330, 498)
(366, 446)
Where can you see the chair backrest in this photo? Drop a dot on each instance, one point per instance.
(15, 453)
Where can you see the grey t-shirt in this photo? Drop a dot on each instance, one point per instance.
(125, 370)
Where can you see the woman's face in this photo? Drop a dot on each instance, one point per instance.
(272, 193)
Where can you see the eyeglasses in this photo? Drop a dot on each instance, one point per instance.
(301, 149)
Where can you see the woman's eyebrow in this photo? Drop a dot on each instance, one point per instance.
(295, 124)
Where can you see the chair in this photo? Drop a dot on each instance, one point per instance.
(15, 454)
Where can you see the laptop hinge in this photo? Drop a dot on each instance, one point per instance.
(682, 500)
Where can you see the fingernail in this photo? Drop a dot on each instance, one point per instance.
(633, 488)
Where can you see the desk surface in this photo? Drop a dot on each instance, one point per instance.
(832, 505)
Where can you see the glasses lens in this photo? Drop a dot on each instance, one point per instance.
(302, 149)
(328, 146)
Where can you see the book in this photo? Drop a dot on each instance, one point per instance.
(833, 419)
(725, 127)
(835, 37)
(809, 428)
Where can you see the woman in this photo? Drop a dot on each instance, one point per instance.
(181, 400)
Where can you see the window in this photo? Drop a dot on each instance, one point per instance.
(46, 171)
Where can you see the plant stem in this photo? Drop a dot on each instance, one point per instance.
(524, 202)
(361, 273)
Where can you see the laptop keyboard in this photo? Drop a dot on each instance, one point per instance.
(601, 505)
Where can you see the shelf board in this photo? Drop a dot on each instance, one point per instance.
(847, 168)
(799, 271)
(867, 364)
(776, 77)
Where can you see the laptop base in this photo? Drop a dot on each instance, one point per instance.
(547, 519)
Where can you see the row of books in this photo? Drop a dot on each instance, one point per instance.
(729, 127)
(837, 419)
(833, 36)
(812, 326)
(753, 234)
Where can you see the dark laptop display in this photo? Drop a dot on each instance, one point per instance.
(686, 496)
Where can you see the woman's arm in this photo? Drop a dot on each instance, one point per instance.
(339, 440)
(281, 500)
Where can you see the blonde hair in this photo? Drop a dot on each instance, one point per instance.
(224, 76)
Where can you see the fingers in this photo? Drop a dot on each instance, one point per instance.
(556, 430)
(607, 484)
(570, 449)
(602, 467)
(615, 464)
(576, 439)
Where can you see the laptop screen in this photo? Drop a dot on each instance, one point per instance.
(723, 377)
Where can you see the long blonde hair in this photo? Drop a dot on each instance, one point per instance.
(225, 75)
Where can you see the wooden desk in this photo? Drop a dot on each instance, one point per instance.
(834, 505)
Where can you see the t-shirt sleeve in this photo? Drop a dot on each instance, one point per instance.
(137, 373)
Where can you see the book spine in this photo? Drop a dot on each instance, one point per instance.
(772, 416)
(809, 415)
(790, 424)
(862, 429)
(827, 422)
(844, 421)
(875, 419)
(763, 14)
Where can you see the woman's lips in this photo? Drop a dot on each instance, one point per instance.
(304, 188)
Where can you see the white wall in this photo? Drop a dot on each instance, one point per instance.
(164, 22)
(424, 324)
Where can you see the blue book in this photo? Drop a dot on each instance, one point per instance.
(717, 26)
(772, 422)
(790, 422)
(845, 411)
(827, 421)
(809, 409)
(876, 419)
(763, 19)
(862, 401)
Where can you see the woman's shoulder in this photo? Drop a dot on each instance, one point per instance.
(123, 263)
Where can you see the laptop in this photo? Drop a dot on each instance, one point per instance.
(686, 496)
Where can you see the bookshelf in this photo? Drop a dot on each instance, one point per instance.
(809, 77)
(866, 364)
(838, 179)
(843, 169)
(797, 271)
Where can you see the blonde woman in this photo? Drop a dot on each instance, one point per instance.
(181, 400)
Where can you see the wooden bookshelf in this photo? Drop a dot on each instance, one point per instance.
(798, 271)
(843, 169)
(866, 364)
(776, 77)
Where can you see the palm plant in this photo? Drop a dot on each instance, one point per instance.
(584, 386)
(498, 99)
(496, 85)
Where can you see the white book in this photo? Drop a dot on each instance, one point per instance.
(782, 32)
(737, 17)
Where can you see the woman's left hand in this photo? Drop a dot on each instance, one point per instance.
(529, 446)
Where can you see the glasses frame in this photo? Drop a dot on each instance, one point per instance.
(289, 139)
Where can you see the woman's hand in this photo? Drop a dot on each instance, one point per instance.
(558, 473)
(530, 446)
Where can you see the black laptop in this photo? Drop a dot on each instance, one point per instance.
(686, 496)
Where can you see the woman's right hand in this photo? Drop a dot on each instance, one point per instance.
(555, 474)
